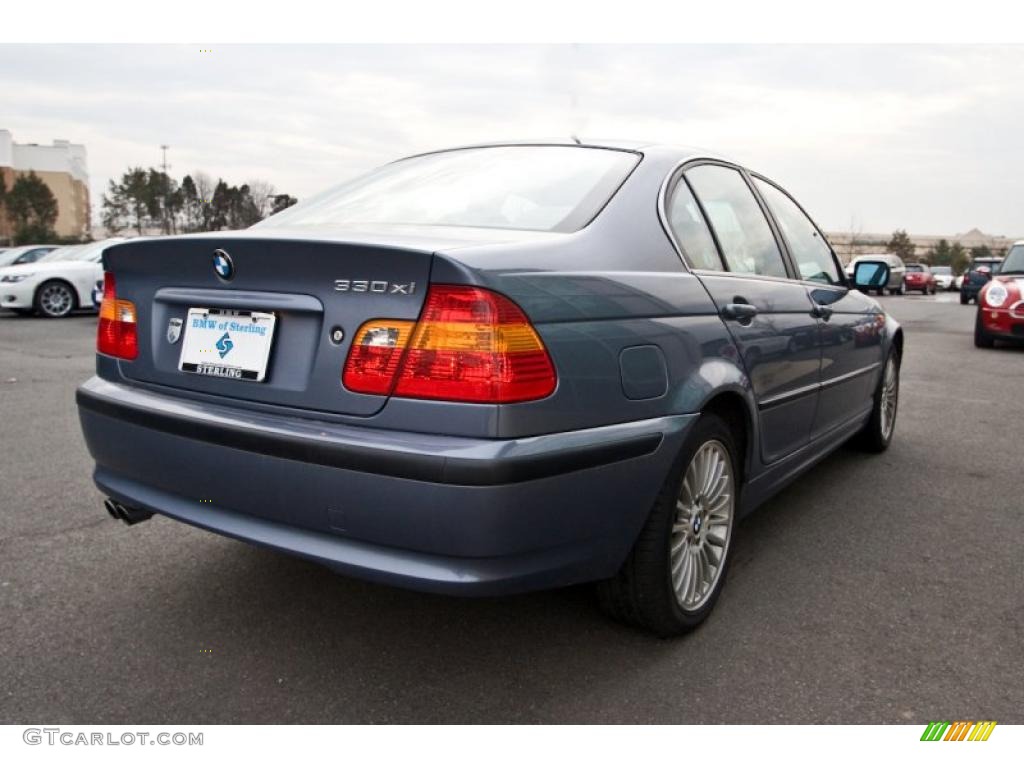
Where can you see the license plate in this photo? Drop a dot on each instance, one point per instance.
(227, 343)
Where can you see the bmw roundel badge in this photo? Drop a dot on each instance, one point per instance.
(222, 265)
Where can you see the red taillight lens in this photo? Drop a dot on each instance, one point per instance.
(376, 352)
(117, 333)
(470, 345)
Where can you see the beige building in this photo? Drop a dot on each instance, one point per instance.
(62, 167)
(848, 245)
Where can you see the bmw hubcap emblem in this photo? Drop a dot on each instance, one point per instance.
(222, 265)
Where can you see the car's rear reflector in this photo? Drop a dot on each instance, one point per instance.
(117, 332)
(469, 345)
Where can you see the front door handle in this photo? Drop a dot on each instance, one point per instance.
(742, 312)
(821, 311)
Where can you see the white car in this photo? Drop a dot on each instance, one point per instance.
(943, 278)
(24, 254)
(56, 284)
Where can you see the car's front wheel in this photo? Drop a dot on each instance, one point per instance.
(982, 339)
(674, 574)
(55, 298)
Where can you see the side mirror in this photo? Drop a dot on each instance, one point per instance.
(871, 275)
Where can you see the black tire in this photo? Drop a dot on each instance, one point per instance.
(641, 593)
(982, 339)
(875, 437)
(50, 308)
(24, 312)
(964, 299)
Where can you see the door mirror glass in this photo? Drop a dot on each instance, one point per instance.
(871, 274)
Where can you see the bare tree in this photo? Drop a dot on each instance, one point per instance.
(261, 193)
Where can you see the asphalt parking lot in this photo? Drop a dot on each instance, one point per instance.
(878, 589)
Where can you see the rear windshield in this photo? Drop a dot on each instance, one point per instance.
(915, 268)
(991, 264)
(942, 270)
(547, 188)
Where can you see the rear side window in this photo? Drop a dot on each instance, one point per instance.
(748, 244)
(807, 246)
(546, 188)
(690, 229)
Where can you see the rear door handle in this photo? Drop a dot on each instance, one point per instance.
(742, 312)
(821, 311)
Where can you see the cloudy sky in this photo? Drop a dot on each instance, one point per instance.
(869, 138)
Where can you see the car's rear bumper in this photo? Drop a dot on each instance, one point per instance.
(446, 514)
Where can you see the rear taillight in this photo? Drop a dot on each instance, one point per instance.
(469, 345)
(117, 333)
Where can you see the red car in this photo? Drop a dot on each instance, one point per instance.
(919, 278)
(1001, 302)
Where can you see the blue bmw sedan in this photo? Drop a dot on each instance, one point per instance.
(494, 369)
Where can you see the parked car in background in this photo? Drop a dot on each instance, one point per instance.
(978, 273)
(97, 292)
(919, 277)
(897, 271)
(943, 278)
(1001, 302)
(24, 254)
(494, 369)
(56, 284)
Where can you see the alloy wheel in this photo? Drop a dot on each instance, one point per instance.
(703, 525)
(55, 300)
(890, 393)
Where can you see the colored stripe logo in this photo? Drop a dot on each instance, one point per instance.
(959, 730)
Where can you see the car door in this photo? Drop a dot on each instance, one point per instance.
(768, 314)
(851, 325)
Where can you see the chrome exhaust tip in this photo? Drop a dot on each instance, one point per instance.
(111, 508)
(127, 515)
(131, 515)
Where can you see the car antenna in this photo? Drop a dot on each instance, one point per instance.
(575, 138)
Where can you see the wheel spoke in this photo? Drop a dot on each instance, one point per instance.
(716, 539)
(712, 556)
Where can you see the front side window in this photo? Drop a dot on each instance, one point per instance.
(747, 242)
(807, 246)
(690, 229)
(546, 188)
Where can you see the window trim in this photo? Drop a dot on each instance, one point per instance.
(677, 174)
(844, 282)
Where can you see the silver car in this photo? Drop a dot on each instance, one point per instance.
(897, 271)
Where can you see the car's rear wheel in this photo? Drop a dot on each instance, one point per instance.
(877, 433)
(964, 299)
(675, 572)
(982, 338)
(55, 298)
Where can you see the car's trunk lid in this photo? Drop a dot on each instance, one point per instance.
(294, 278)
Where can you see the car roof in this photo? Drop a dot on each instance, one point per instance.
(683, 152)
